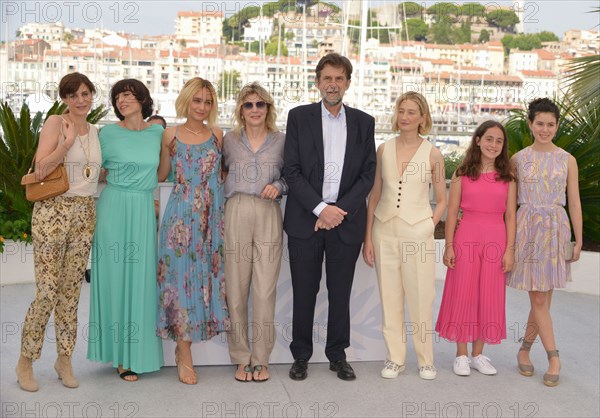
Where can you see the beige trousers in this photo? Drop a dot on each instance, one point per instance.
(405, 264)
(253, 248)
(62, 229)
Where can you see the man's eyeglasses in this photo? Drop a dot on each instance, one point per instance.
(250, 105)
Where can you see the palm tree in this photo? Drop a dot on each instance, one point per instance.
(584, 76)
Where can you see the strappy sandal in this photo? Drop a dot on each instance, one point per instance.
(260, 369)
(525, 369)
(551, 379)
(191, 380)
(247, 371)
(126, 373)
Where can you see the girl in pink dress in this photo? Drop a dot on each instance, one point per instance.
(481, 251)
(547, 177)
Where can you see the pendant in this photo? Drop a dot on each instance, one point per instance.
(87, 171)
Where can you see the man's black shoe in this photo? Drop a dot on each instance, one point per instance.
(343, 369)
(298, 369)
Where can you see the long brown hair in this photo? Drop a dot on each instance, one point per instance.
(471, 164)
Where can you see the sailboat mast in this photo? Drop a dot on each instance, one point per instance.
(363, 45)
(304, 53)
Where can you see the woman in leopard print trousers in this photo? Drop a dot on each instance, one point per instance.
(62, 228)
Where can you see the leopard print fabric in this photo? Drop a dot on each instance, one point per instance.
(62, 229)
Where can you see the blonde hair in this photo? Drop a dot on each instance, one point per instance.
(189, 90)
(260, 91)
(423, 107)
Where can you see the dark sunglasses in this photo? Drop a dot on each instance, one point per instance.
(250, 105)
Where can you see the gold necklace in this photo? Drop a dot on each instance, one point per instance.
(87, 170)
(193, 132)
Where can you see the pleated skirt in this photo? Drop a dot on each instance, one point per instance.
(473, 303)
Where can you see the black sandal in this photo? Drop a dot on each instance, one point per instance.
(126, 373)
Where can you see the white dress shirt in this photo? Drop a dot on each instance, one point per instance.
(334, 150)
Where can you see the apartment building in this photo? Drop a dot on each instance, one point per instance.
(49, 32)
(259, 28)
(541, 83)
(202, 28)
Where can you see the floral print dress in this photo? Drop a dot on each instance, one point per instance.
(191, 283)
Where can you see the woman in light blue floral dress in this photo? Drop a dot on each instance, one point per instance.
(191, 283)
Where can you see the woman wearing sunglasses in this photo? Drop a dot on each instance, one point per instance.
(253, 158)
(191, 285)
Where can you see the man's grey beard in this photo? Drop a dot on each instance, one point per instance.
(330, 103)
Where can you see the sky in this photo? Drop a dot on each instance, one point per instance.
(154, 17)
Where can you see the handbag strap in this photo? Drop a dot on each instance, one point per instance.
(62, 132)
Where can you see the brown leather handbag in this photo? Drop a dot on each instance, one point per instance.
(54, 184)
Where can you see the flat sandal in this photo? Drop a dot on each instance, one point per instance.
(247, 371)
(259, 369)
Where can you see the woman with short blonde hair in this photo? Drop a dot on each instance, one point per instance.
(263, 94)
(253, 156)
(191, 285)
(182, 103)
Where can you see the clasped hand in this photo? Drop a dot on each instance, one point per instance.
(330, 217)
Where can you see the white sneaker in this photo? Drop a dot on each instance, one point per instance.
(391, 370)
(482, 364)
(427, 372)
(461, 366)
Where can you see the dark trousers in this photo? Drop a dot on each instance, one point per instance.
(306, 265)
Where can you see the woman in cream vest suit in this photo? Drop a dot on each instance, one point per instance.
(399, 235)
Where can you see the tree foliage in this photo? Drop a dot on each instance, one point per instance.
(472, 10)
(439, 32)
(504, 19)
(271, 48)
(444, 9)
(523, 42)
(443, 32)
(234, 25)
(547, 36)
(409, 9)
(484, 36)
(230, 83)
(417, 30)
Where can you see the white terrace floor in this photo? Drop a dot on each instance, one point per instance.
(508, 394)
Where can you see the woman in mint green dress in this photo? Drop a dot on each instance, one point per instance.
(123, 300)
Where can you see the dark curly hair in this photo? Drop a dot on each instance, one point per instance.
(543, 105)
(471, 164)
(138, 89)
